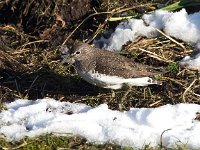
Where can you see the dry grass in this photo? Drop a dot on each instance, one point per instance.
(30, 68)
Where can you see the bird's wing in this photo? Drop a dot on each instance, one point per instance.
(122, 66)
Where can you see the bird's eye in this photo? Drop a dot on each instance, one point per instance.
(78, 52)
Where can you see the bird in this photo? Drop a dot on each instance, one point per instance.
(108, 69)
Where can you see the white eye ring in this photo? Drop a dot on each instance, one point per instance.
(78, 52)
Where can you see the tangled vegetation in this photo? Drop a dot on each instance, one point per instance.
(31, 33)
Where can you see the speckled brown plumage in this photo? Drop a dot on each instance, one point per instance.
(108, 69)
(109, 63)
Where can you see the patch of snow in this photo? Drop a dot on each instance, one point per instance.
(135, 128)
(191, 62)
(157, 19)
(178, 24)
(124, 32)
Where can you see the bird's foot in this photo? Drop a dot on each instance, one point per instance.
(121, 106)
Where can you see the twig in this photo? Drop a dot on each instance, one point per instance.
(19, 93)
(187, 89)
(9, 28)
(170, 38)
(151, 54)
(15, 148)
(124, 97)
(114, 11)
(10, 58)
(155, 103)
(69, 36)
(100, 27)
(161, 137)
(175, 81)
(29, 43)
(31, 85)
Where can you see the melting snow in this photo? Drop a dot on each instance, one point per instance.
(179, 24)
(135, 128)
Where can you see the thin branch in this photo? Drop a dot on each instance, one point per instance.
(153, 55)
(188, 88)
(170, 38)
(114, 11)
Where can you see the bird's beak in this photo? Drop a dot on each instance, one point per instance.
(65, 55)
(69, 60)
(64, 50)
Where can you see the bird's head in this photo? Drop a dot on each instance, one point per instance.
(80, 51)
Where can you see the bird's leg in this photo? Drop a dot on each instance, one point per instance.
(113, 95)
(124, 97)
